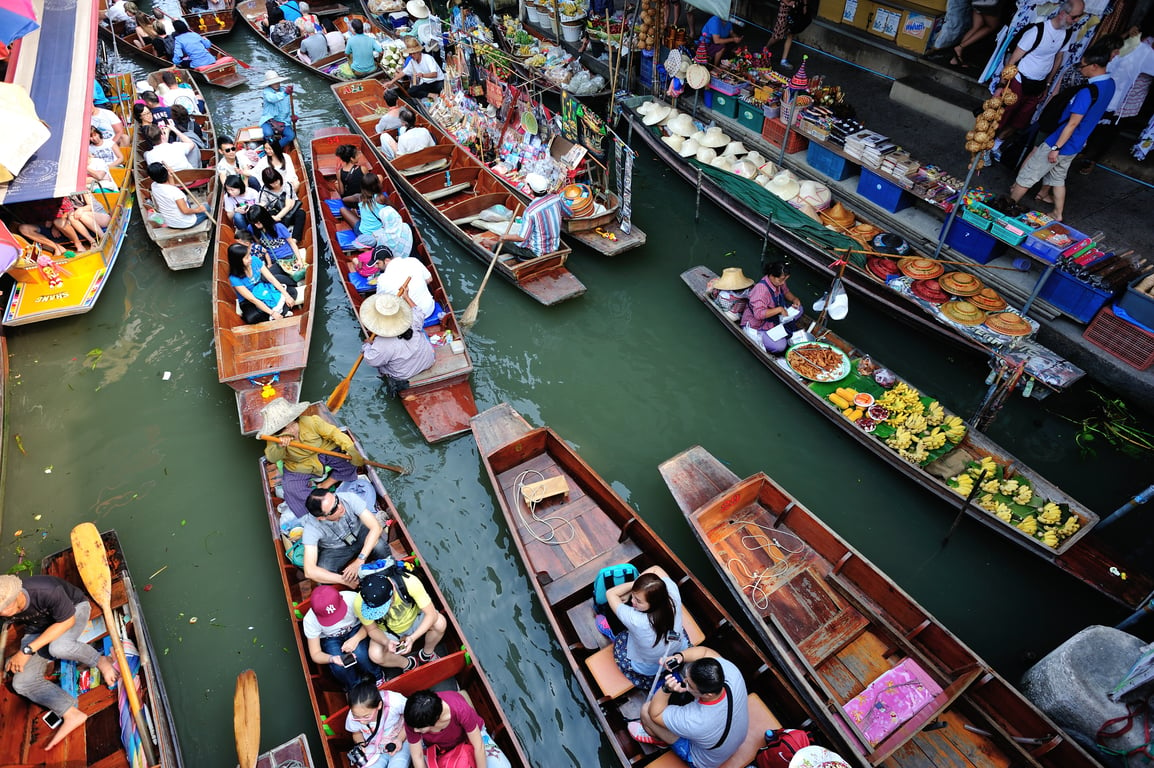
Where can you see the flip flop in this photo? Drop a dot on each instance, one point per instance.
(1046, 200)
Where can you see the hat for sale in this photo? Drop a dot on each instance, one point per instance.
(961, 284)
(989, 300)
(963, 312)
(892, 244)
(1009, 324)
(920, 269)
(930, 291)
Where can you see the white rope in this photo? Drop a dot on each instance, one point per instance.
(777, 552)
(551, 536)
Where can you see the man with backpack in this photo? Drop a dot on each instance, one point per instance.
(1050, 161)
(395, 609)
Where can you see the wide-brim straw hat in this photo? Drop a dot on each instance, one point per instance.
(881, 267)
(714, 138)
(417, 9)
(682, 125)
(889, 243)
(732, 279)
(673, 115)
(272, 77)
(960, 284)
(989, 300)
(840, 215)
(761, 179)
(706, 155)
(697, 77)
(769, 168)
(689, 148)
(1009, 324)
(698, 136)
(745, 169)
(963, 312)
(645, 107)
(722, 162)
(815, 193)
(785, 185)
(930, 291)
(734, 148)
(674, 141)
(278, 414)
(413, 44)
(656, 114)
(920, 269)
(386, 315)
(756, 158)
(674, 60)
(863, 230)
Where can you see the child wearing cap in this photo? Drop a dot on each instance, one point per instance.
(332, 629)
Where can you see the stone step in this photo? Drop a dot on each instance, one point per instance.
(942, 102)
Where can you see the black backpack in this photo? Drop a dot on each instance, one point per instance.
(1051, 116)
(1017, 38)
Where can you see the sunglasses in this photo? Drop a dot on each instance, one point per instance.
(336, 508)
(228, 149)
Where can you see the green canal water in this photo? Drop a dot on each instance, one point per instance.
(122, 422)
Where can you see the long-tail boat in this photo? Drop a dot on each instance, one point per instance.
(182, 248)
(454, 188)
(457, 669)
(207, 23)
(940, 471)
(98, 741)
(223, 74)
(263, 360)
(578, 525)
(71, 286)
(439, 400)
(844, 629)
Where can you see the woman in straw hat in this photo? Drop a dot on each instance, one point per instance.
(400, 350)
(276, 117)
(731, 292)
(770, 302)
(304, 468)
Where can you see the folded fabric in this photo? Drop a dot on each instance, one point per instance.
(891, 700)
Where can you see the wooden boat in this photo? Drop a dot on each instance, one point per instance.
(73, 285)
(473, 188)
(292, 753)
(253, 13)
(98, 741)
(1079, 554)
(223, 74)
(269, 356)
(182, 248)
(207, 23)
(439, 400)
(841, 624)
(457, 669)
(599, 529)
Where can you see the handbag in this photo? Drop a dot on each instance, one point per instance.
(460, 756)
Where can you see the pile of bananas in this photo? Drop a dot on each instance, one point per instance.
(1014, 502)
(955, 429)
(919, 430)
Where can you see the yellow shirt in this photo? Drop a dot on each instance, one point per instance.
(401, 616)
(315, 432)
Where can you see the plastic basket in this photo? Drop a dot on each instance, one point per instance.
(1123, 340)
(1010, 231)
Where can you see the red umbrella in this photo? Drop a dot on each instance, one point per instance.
(17, 19)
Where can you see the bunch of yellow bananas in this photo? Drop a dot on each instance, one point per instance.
(935, 414)
(991, 486)
(1009, 487)
(1004, 513)
(916, 424)
(965, 484)
(986, 466)
(955, 429)
(1071, 526)
(1024, 495)
(988, 502)
(935, 439)
(1051, 514)
(901, 439)
(1029, 525)
(1050, 539)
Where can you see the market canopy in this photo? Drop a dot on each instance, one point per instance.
(17, 19)
(54, 65)
(720, 8)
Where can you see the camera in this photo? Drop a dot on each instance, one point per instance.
(674, 668)
(357, 757)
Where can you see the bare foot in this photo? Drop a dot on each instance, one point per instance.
(1056, 215)
(108, 670)
(73, 719)
(1044, 198)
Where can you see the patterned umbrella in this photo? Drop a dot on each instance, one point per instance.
(800, 81)
(17, 19)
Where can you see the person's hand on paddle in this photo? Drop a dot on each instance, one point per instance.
(285, 440)
(289, 89)
(356, 459)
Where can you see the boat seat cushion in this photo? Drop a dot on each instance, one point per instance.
(760, 720)
(607, 675)
(896, 696)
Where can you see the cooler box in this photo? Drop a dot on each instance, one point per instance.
(725, 104)
(967, 239)
(882, 191)
(751, 117)
(832, 165)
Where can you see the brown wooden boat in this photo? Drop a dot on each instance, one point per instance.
(599, 529)
(840, 624)
(457, 669)
(207, 23)
(471, 188)
(182, 248)
(98, 741)
(1079, 554)
(439, 400)
(292, 752)
(224, 74)
(268, 359)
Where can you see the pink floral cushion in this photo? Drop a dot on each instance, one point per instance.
(888, 702)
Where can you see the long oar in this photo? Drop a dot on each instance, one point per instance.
(341, 391)
(246, 719)
(469, 318)
(338, 454)
(92, 562)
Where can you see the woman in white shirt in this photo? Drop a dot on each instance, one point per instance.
(177, 155)
(412, 138)
(275, 157)
(376, 723)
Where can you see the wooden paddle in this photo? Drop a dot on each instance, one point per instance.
(341, 391)
(246, 719)
(469, 318)
(338, 454)
(92, 563)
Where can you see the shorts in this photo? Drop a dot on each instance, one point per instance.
(681, 749)
(1039, 168)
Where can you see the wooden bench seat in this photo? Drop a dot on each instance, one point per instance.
(760, 721)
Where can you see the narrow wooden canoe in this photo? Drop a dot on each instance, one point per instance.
(1079, 555)
(224, 74)
(840, 623)
(273, 354)
(599, 529)
(182, 248)
(439, 400)
(457, 669)
(98, 741)
(82, 278)
(293, 752)
(423, 175)
(207, 23)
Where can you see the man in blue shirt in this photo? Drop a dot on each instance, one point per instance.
(277, 108)
(1050, 160)
(719, 36)
(362, 50)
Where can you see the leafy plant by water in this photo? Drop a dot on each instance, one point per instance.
(1116, 424)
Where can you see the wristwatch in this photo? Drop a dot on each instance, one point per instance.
(27, 651)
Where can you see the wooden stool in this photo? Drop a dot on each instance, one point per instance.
(607, 674)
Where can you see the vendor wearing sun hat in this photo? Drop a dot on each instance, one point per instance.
(331, 629)
(277, 109)
(424, 73)
(395, 608)
(302, 468)
(731, 291)
(400, 350)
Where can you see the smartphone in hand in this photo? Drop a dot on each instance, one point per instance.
(348, 660)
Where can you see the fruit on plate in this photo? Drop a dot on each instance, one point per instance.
(863, 400)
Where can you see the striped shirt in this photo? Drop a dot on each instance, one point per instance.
(543, 225)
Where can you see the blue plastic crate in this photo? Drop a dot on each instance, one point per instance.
(1073, 297)
(832, 165)
(1036, 245)
(882, 191)
(645, 75)
(965, 238)
(707, 98)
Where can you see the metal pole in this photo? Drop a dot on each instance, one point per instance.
(697, 205)
(1037, 289)
(1132, 504)
(1133, 618)
(954, 211)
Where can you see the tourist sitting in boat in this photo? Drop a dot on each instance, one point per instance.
(376, 723)
(443, 723)
(424, 73)
(650, 610)
(121, 11)
(183, 122)
(314, 47)
(413, 138)
(103, 153)
(333, 36)
(391, 119)
(273, 235)
(291, 9)
(110, 125)
(171, 203)
(340, 534)
(276, 117)
(237, 198)
(263, 289)
(363, 52)
(158, 148)
(767, 318)
(189, 49)
(156, 35)
(91, 212)
(41, 221)
(275, 157)
(396, 271)
(280, 199)
(708, 730)
(302, 467)
(307, 22)
(350, 174)
(53, 614)
(161, 114)
(541, 232)
(281, 31)
(333, 635)
(235, 162)
(396, 610)
(380, 223)
(400, 350)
